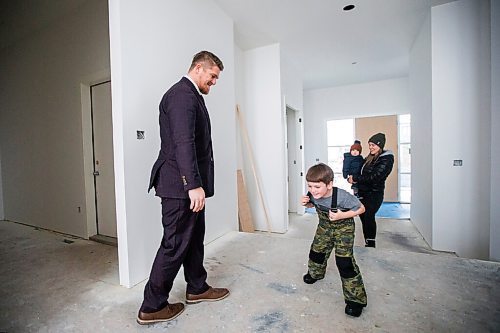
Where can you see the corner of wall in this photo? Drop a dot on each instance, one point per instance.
(495, 132)
(2, 213)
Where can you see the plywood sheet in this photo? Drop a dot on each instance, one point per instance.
(244, 213)
(365, 128)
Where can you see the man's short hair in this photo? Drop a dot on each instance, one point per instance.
(320, 173)
(206, 58)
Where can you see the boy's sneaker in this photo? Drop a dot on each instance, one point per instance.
(353, 310)
(309, 279)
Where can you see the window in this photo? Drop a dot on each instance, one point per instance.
(340, 138)
(404, 130)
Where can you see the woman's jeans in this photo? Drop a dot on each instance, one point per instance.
(372, 202)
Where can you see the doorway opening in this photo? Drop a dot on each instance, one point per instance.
(103, 167)
(295, 152)
(341, 134)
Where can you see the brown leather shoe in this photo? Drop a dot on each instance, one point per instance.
(211, 295)
(171, 311)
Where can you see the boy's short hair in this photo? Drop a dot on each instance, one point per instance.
(320, 173)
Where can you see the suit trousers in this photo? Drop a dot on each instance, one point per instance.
(182, 244)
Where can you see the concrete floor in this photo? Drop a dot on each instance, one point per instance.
(54, 283)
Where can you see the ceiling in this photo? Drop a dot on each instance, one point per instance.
(327, 45)
(330, 46)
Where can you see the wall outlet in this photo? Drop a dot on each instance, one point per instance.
(457, 162)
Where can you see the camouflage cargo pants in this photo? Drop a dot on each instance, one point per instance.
(338, 235)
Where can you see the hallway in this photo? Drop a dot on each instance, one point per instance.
(54, 283)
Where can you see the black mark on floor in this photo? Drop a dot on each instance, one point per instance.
(407, 242)
(271, 322)
(213, 260)
(388, 266)
(211, 264)
(252, 269)
(285, 289)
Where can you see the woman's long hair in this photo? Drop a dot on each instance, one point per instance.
(372, 158)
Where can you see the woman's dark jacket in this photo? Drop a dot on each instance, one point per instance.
(373, 176)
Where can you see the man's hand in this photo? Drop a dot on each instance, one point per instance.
(197, 197)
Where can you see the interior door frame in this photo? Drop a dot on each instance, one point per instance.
(291, 143)
(98, 182)
(87, 148)
(299, 176)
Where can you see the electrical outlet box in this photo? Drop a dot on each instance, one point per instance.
(457, 162)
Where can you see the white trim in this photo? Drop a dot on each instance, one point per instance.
(87, 150)
(399, 158)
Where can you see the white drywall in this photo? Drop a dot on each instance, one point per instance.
(151, 48)
(263, 115)
(293, 97)
(292, 87)
(240, 99)
(285, 90)
(41, 118)
(387, 97)
(420, 84)
(495, 132)
(1, 187)
(461, 128)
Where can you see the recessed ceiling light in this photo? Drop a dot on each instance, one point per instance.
(349, 7)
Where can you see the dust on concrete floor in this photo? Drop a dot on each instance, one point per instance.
(49, 285)
(395, 234)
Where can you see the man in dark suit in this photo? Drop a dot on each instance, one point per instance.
(183, 176)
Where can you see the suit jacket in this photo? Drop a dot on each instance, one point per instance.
(186, 159)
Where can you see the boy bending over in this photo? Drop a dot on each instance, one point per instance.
(336, 209)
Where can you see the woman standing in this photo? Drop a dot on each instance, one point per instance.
(371, 184)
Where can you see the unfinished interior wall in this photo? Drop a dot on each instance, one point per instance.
(282, 88)
(387, 97)
(263, 115)
(365, 127)
(292, 92)
(420, 88)
(1, 189)
(151, 48)
(495, 132)
(460, 35)
(41, 118)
